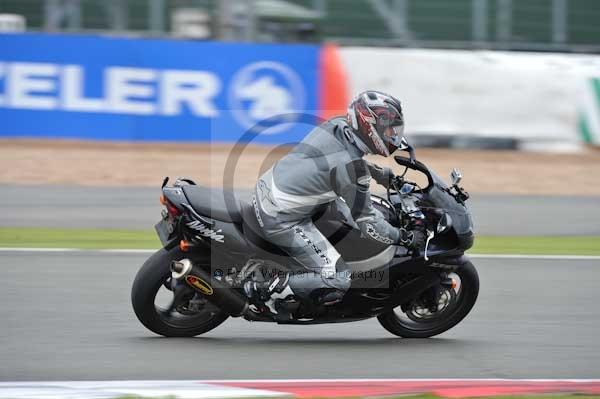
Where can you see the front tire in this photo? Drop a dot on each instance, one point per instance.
(467, 297)
(148, 281)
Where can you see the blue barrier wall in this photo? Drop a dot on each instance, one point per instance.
(135, 89)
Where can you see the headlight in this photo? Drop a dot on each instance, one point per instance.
(444, 224)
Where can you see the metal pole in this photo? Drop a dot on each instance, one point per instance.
(52, 15)
(156, 16)
(504, 20)
(74, 21)
(559, 21)
(117, 12)
(251, 20)
(479, 20)
(394, 18)
(401, 11)
(224, 20)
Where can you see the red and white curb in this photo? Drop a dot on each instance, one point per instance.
(448, 388)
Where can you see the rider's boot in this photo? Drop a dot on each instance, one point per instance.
(271, 293)
(264, 290)
(314, 290)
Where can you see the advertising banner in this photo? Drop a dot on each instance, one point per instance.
(93, 87)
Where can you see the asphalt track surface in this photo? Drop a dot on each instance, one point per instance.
(67, 316)
(138, 208)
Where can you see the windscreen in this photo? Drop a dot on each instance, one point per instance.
(437, 195)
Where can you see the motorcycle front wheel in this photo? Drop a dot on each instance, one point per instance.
(417, 320)
(195, 317)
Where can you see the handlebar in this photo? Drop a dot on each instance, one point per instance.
(415, 165)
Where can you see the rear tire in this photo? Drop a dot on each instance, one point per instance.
(148, 281)
(468, 296)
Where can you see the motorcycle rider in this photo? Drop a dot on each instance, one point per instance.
(326, 165)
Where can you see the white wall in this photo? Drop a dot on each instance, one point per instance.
(531, 96)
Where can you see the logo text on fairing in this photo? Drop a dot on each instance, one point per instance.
(206, 231)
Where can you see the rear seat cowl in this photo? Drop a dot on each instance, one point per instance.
(216, 203)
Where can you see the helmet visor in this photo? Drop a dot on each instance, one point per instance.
(393, 136)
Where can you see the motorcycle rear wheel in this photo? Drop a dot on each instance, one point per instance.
(465, 299)
(148, 281)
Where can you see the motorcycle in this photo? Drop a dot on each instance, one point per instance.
(211, 249)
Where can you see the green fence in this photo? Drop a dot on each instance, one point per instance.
(521, 24)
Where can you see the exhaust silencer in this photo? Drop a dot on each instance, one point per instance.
(215, 291)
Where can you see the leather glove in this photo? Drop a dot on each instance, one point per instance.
(381, 174)
(414, 239)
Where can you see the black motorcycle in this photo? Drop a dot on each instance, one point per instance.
(211, 249)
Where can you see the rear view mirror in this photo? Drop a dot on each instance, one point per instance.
(444, 224)
(455, 176)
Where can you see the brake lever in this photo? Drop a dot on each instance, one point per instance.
(430, 235)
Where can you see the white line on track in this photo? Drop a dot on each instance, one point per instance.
(105, 251)
(151, 251)
(223, 389)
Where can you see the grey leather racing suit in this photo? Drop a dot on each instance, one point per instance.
(325, 166)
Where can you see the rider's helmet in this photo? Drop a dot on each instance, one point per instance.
(376, 119)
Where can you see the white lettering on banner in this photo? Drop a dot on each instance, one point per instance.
(195, 88)
(124, 83)
(72, 92)
(139, 91)
(31, 86)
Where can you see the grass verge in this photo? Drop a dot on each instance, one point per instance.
(77, 238)
(146, 239)
(522, 245)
